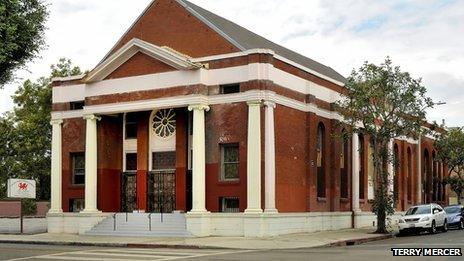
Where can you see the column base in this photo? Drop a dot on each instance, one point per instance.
(271, 211)
(90, 211)
(55, 211)
(253, 211)
(199, 223)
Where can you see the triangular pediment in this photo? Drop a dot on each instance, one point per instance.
(165, 55)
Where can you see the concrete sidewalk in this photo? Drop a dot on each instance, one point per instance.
(303, 240)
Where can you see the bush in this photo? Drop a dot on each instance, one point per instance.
(29, 207)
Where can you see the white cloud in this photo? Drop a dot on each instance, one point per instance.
(422, 36)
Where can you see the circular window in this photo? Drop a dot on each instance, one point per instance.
(164, 123)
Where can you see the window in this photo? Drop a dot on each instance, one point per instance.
(78, 168)
(396, 173)
(131, 126)
(229, 204)
(320, 161)
(361, 166)
(370, 171)
(229, 162)
(229, 88)
(131, 162)
(79, 105)
(164, 160)
(76, 204)
(409, 175)
(344, 167)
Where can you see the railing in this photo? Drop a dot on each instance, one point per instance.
(114, 222)
(149, 221)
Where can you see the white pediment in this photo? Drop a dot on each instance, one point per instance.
(162, 54)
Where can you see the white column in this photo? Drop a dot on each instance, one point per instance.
(419, 173)
(56, 168)
(269, 166)
(355, 173)
(254, 158)
(91, 164)
(198, 161)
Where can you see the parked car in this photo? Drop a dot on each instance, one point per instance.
(455, 216)
(427, 217)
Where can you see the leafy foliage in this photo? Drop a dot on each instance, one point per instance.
(383, 102)
(450, 147)
(22, 27)
(26, 131)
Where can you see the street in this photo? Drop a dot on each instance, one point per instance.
(379, 250)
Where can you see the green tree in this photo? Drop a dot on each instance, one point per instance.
(27, 130)
(384, 103)
(450, 146)
(22, 27)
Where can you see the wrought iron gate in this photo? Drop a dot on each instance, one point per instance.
(128, 191)
(162, 191)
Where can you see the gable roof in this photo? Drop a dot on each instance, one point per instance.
(163, 54)
(245, 40)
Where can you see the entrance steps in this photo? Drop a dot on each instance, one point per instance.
(138, 224)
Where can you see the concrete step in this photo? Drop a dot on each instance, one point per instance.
(137, 224)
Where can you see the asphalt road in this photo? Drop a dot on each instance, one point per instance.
(374, 251)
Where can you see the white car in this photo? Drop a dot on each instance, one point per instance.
(423, 217)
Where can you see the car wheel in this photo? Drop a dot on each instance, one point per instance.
(433, 228)
(445, 226)
(402, 233)
(461, 224)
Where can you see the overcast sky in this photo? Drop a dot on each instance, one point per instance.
(424, 37)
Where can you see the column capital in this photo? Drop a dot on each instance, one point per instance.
(254, 103)
(92, 117)
(56, 121)
(270, 104)
(199, 107)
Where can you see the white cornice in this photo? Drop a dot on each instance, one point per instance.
(134, 46)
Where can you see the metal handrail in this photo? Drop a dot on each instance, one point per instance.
(114, 222)
(149, 221)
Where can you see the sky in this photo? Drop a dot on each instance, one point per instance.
(424, 37)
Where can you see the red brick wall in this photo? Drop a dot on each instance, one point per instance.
(291, 159)
(12, 208)
(166, 23)
(109, 163)
(139, 64)
(73, 140)
(181, 158)
(225, 123)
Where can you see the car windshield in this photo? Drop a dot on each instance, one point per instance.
(452, 210)
(419, 210)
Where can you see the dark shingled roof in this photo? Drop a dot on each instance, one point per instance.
(249, 40)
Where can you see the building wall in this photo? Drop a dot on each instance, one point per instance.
(291, 159)
(225, 123)
(166, 23)
(73, 140)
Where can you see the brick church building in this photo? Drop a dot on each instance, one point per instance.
(192, 114)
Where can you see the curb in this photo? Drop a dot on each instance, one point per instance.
(358, 241)
(347, 242)
(88, 244)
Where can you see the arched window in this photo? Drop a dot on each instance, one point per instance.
(409, 174)
(320, 160)
(344, 166)
(425, 177)
(396, 173)
(361, 166)
(434, 180)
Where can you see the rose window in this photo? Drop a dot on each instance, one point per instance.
(164, 123)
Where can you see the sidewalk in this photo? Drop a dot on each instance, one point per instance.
(304, 240)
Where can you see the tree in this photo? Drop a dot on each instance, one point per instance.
(450, 146)
(383, 103)
(27, 130)
(22, 27)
